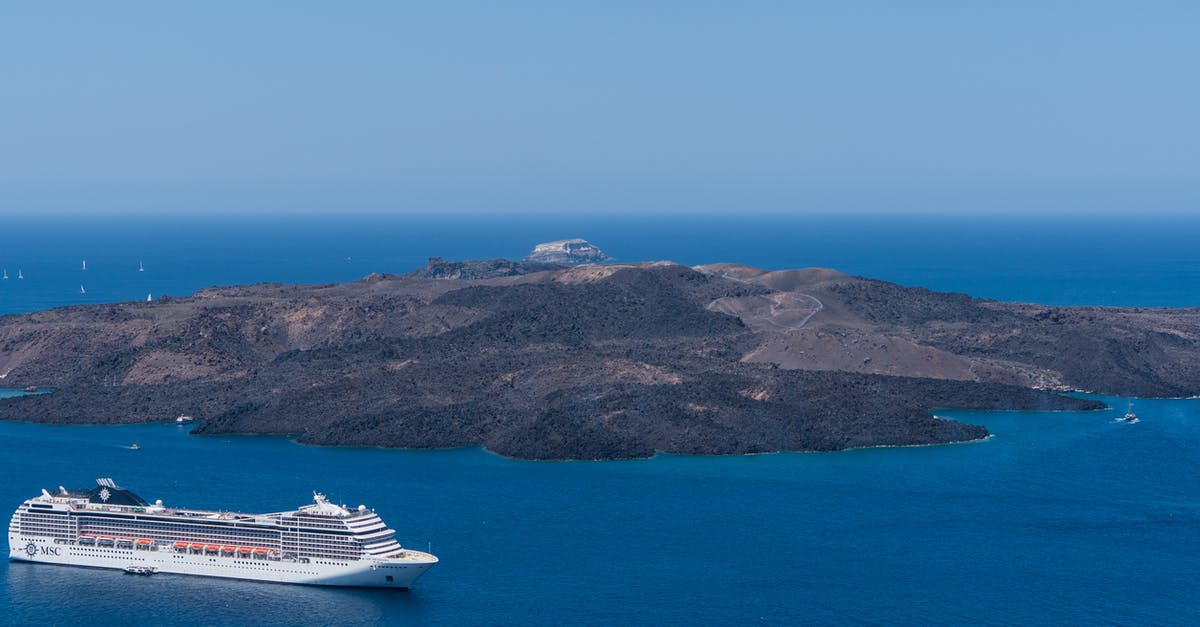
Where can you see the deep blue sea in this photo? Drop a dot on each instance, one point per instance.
(1061, 518)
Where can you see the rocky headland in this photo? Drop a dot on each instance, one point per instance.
(567, 252)
(544, 360)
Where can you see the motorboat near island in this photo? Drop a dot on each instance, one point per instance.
(1130, 417)
(111, 527)
(183, 420)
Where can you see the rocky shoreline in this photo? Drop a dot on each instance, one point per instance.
(540, 360)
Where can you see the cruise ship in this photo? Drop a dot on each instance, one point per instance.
(111, 527)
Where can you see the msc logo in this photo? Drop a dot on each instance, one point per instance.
(32, 549)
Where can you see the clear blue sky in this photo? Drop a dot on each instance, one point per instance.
(601, 106)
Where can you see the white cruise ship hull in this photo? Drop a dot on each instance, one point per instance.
(111, 527)
(384, 573)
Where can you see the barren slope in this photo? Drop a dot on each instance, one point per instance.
(586, 362)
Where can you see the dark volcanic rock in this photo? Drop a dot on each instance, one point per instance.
(887, 303)
(587, 362)
(439, 268)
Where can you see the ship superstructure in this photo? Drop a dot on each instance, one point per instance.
(111, 527)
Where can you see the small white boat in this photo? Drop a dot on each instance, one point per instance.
(140, 570)
(184, 420)
(1130, 417)
(85, 265)
(19, 275)
(148, 299)
(5, 274)
(141, 268)
(81, 290)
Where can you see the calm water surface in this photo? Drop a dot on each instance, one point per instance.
(1114, 260)
(1060, 518)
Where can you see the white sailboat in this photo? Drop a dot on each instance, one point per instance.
(81, 290)
(141, 268)
(85, 264)
(148, 299)
(6, 274)
(19, 275)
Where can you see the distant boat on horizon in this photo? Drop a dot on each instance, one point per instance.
(141, 268)
(148, 299)
(81, 290)
(85, 264)
(19, 275)
(6, 274)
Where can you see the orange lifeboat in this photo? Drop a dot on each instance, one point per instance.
(181, 545)
(196, 546)
(230, 549)
(145, 542)
(245, 549)
(261, 551)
